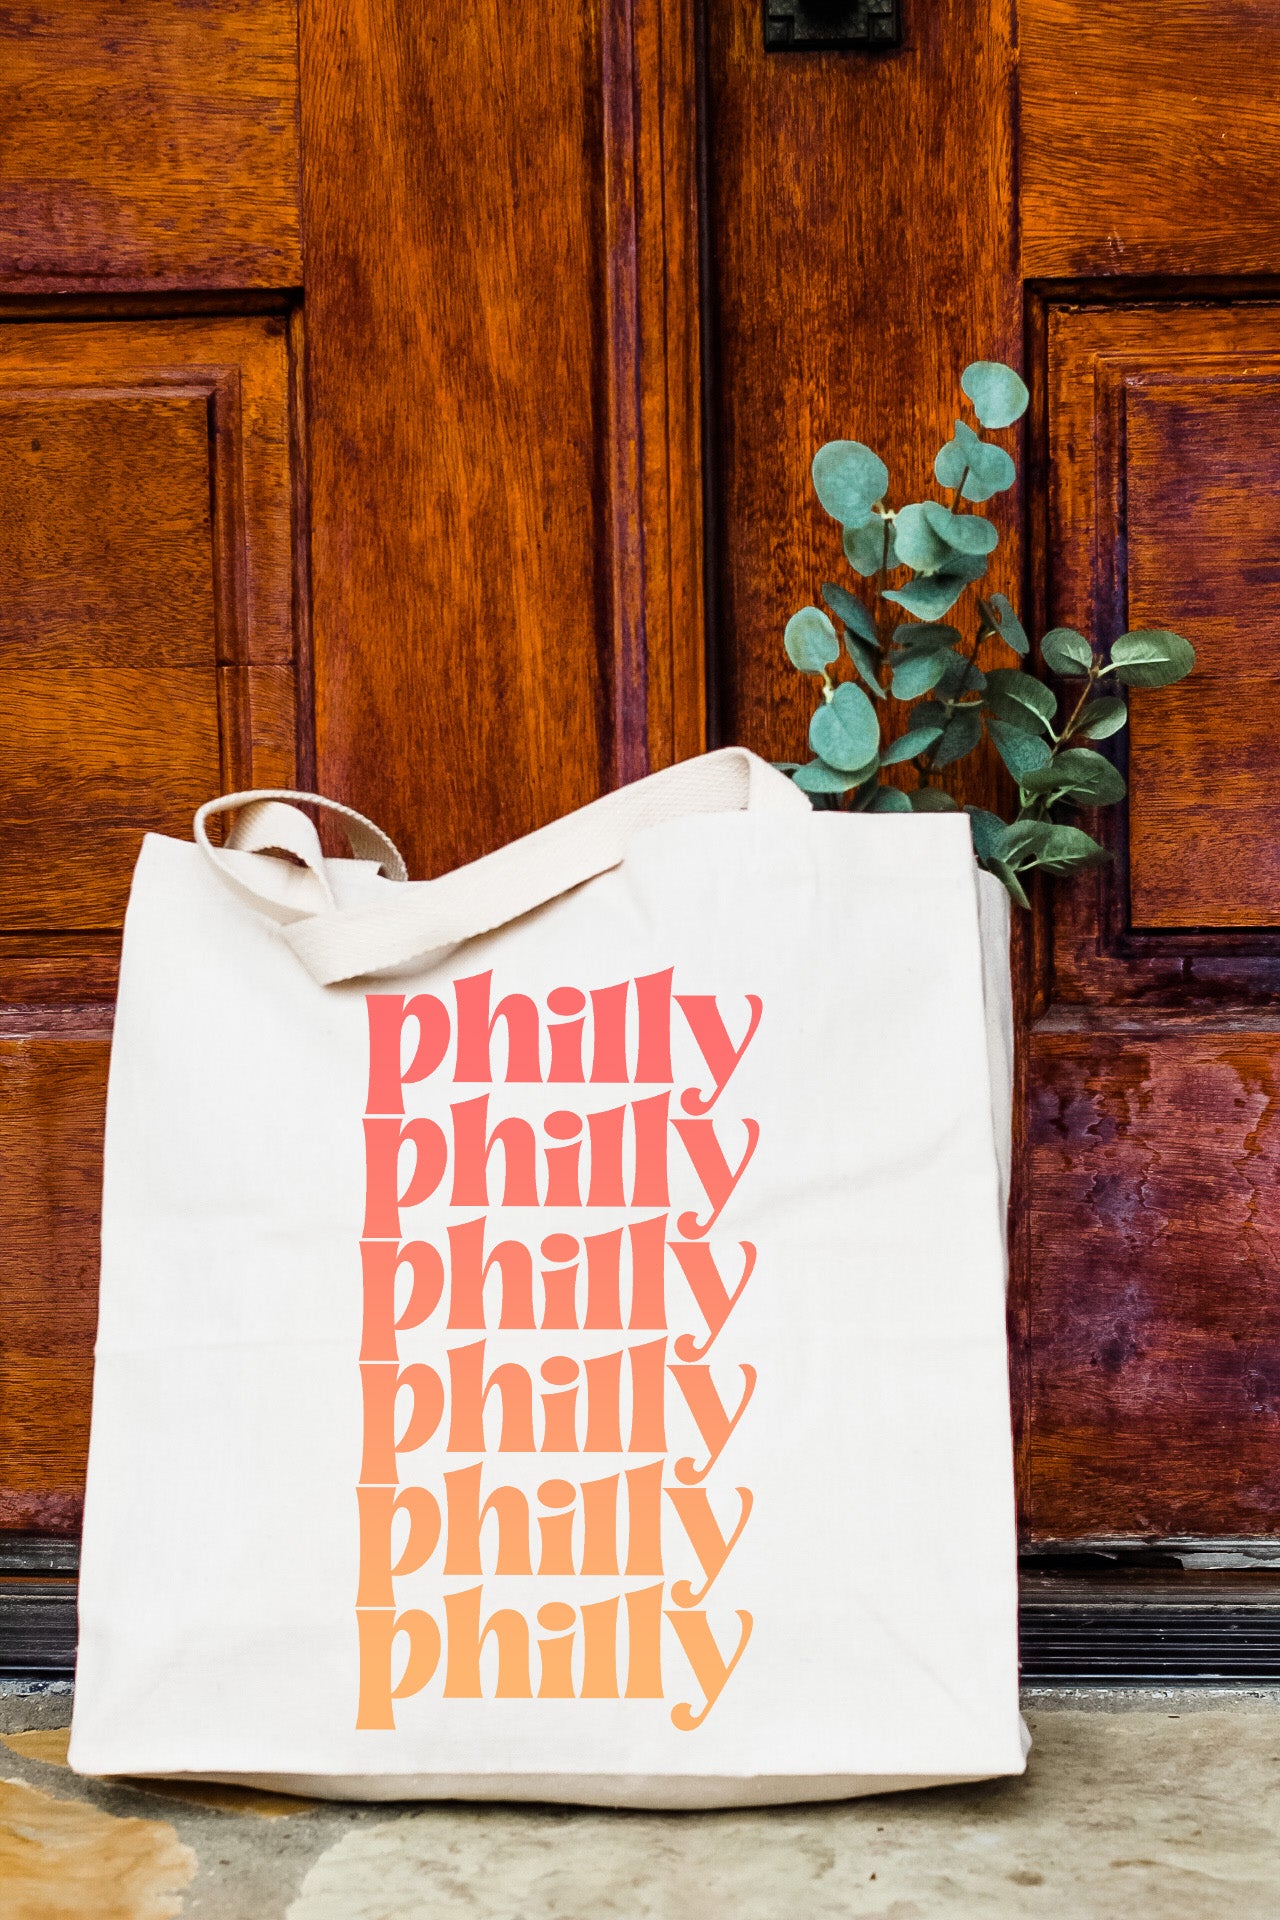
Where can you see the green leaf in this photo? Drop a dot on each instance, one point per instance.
(864, 546)
(818, 777)
(936, 594)
(989, 469)
(918, 544)
(915, 740)
(930, 713)
(810, 640)
(927, 636)
(1007, 684)
(962, 532)
(960, 676)
(847, 607)
(1066, 652)
(918, 672)
(1152, 657)
(1100, 719)
(867, 660)
(1024, 840)
(1000, 614)
(931, 800)
(960, 736)
(784, 766)
(988, 832)
(867, 789)
(849, 479)
(845, 731)
(889, 800)
(998, 394)
(1078, 774)
(1066, 848)
(1008, 878)
(1022, 752)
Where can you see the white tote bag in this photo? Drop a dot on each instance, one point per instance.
(552, 1329)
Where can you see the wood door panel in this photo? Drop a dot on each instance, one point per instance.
(105, 526)
(1164, 444)
(52, 1095)
(146, 515)
(1152, 1309)
(1149, 137)
(149, 146)
(94, 758)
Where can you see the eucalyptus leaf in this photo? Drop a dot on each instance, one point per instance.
(847, 607)
(1100, 718)
(1024, 841)
(1078, 774)
(915, 740)
(926, 635)
(935, 594)
(849, 479)
(960, 736)
(1011, 684)
(865, 547)
(918, 672)
(867, 660)
(986, 469)
(1008, 879)
(865, 795)
(1069, 847)
(998, 394)
(962, 532)
(1066, 652)
(845, 731)
(918, 543)
(931, 800)
(960, 676)
(810, 640)
(817, 777)
(1022, 752)
(988, 832)
(1000, 614)
(889, 800)
(1152, 657)
(1057, 849)
(930, 713)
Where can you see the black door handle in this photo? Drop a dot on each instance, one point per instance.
(809, 26)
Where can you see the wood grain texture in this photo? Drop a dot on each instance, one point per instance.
(655, 431)
(1202, 476)
(842, 309)
(1149, 140)
(486, 547)
(1164, 457)
(146, 651)
(149, 146)
(1153, 1310)
(52, 1094)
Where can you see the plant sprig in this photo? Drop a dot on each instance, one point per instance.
(923, 558)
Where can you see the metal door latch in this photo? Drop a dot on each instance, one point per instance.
(800, 26)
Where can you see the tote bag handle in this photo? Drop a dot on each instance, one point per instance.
(336, 944)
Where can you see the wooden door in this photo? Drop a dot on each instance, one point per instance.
(386, 390)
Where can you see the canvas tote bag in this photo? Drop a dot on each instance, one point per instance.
(552, 1330)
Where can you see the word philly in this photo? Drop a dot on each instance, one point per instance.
(560, 1269)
